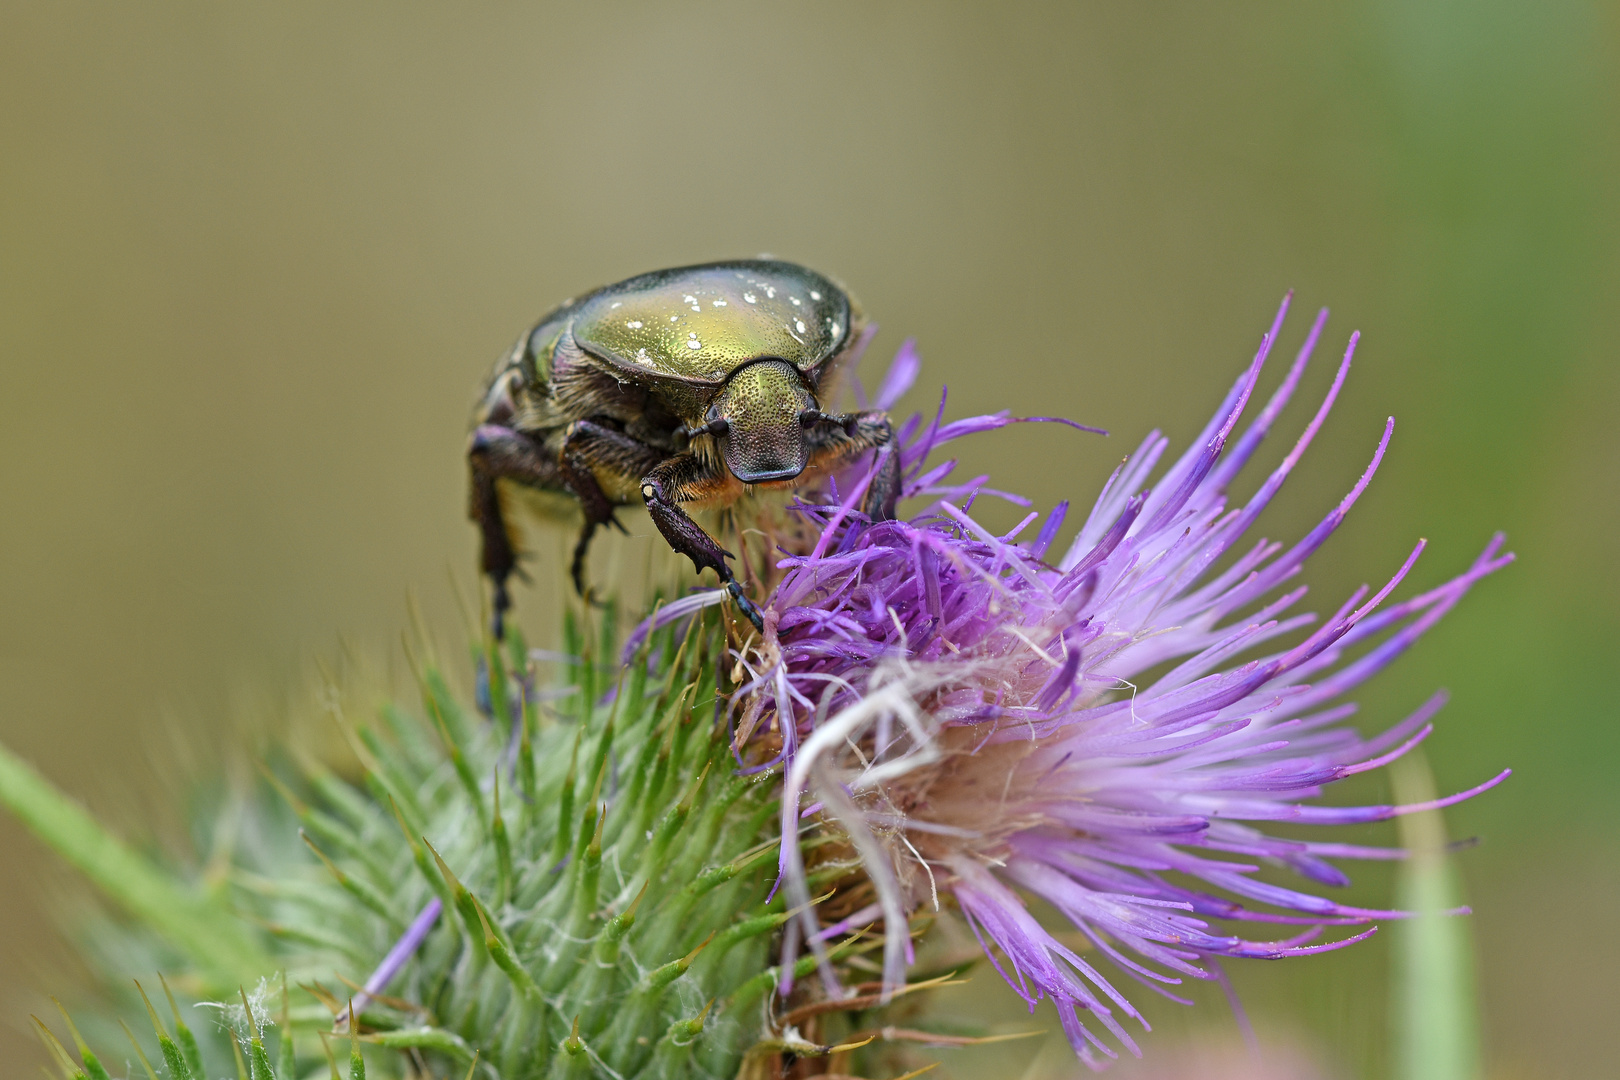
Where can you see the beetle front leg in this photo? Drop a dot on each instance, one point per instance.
(496, 453)
(685, 478)
(840, 438)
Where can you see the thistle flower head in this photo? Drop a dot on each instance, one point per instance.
(1110, 728)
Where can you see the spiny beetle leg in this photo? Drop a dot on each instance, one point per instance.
(846, 436)
(884, 493)
(682, 478)
(500, 453)
(745, 605)
(500, 604)
(576, 569)
(588, 447)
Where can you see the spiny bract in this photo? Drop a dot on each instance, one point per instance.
(604, 871)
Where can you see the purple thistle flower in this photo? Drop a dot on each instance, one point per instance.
(973, 714)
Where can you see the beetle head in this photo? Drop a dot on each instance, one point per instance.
(760, 417)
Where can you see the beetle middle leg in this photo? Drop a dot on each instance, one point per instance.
(687, 478)
(588, 448)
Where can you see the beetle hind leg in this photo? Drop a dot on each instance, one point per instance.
(496, 453)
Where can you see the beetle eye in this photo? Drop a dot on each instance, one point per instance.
(809, 416)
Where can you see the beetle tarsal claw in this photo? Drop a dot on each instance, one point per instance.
(745, 605)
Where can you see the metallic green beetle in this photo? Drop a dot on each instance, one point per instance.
(678, 387)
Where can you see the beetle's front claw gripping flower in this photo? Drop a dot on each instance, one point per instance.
(750, 611)
(984, 722)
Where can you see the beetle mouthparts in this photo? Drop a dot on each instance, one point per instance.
(766, 476)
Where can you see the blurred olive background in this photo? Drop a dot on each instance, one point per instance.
(254, 260)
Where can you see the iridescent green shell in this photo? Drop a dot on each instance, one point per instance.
(698, 324)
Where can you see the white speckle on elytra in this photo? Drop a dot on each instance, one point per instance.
(689, 299)
(674, 318)
(634, 324)
(814, 295)
(770, 292)
(643, 358)
(799, 324)
(795, 300)
(835, 329)
(692, 341)
(616, 304)
(750, 297)
(719, 303)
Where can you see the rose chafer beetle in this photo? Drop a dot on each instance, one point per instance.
(681, 387)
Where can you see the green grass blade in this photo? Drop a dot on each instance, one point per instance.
(209, 936)
(1435, 1002)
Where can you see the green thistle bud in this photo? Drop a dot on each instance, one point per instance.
(532, 897)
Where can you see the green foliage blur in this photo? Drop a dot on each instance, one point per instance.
(254, 260)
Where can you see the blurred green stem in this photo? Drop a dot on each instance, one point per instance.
(208, 935)
(1435, 1017)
